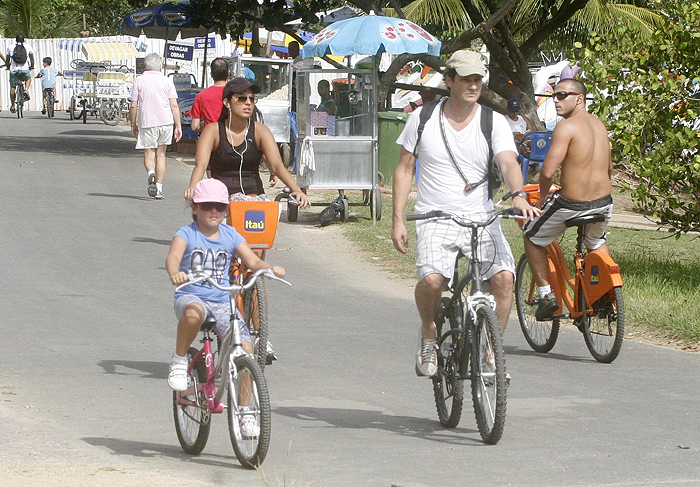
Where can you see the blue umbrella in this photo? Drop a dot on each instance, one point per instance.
(165, 21)
(370, 35)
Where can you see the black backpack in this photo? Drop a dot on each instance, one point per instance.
(493, 173)
(19, 55)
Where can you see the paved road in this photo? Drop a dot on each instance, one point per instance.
(87, 329)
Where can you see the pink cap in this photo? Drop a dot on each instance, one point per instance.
(210, 191)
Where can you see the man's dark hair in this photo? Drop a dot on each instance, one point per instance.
(293, 45)
(219, 69)
(19, 39)
(575, 84)
(47, 60)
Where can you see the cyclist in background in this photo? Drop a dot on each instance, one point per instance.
(19, 59)
(48, 81)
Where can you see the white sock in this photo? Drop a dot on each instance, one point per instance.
(159, 187)
(177, 358)
(544, 290)
(151, 172)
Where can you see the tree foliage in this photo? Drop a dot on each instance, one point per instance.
(649, 96)
(37, 19)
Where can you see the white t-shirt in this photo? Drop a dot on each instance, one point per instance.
(440, 186)
(518, 126)
(13, 65)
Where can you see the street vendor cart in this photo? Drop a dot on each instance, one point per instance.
(338, 151)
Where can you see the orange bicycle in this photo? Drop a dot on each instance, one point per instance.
(596, 305)
(256, 221)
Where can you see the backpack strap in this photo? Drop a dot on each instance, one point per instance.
(486, 129)
(425, 114)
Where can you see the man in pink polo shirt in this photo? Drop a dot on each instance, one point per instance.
(207, 104)
(156, 99)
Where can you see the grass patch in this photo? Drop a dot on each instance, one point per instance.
(661, 275)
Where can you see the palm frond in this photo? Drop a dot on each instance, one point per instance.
(448, 14)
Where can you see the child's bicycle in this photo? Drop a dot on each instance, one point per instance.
(215, 370)
(596, 305)
(469, 341)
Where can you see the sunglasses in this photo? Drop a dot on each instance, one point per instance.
(243, 98)
(208, 206)
(560, 95)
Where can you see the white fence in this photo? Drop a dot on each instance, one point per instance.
(63, 51)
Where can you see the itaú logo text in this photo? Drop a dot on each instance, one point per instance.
(254, 221)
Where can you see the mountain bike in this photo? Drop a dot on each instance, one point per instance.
(469, 343)
(221, 367)
(595, 301)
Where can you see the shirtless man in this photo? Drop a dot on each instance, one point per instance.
(581, 147)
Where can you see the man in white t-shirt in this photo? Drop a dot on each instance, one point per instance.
(20, 62)
(518, 124)
(441, 187)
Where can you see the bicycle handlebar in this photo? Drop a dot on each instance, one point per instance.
(510, 213)
(197, 275)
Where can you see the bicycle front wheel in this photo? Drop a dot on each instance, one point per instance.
(488, 375)
(248, 412)
(192, 417)
(540, 335)
(110, 112)
(605, 329)
(255, 306)
(448, 388)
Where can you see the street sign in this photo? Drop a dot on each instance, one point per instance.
(199, 42)
(179, 51)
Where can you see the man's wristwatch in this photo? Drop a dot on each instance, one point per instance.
(520, 193)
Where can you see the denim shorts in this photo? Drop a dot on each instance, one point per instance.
(220, 311)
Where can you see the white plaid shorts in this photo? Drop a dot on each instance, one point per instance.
(438, 242)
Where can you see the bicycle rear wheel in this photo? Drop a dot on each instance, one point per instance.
(488, 375)
(448, 388)
(192, 417)
(248, 412)
(540, 335)
(255, 306)
(19, 100)
(605, 329)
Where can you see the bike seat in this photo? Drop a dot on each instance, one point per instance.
(584, 220)
(209, 324)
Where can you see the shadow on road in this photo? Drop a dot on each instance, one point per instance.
(142, 449)
(70, 144)
(127, 196)
(402, 425)
(509, 350)
(147, 370)
(151, 240)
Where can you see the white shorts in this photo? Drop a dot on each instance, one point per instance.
(154, 137)
(556, 210)
(438, 242)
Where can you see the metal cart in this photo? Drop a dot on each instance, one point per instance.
(99, 88)
(338, 151)
(274, 76)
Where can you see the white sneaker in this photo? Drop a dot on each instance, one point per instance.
(249, 426)
(159, 195)
(426, 358)
(152, 190)
(177, 375)
(271, 355)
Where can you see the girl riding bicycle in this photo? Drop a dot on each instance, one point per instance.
(211, 244)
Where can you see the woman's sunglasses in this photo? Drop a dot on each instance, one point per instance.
(560, 95)
(243, 98)
(208, 206)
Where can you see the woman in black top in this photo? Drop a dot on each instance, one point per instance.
(233, 148)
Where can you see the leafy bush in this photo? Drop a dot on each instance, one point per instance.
(648, 95)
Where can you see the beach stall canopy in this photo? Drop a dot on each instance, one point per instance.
(108, 51)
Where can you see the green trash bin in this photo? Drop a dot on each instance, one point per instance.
(391, 125)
